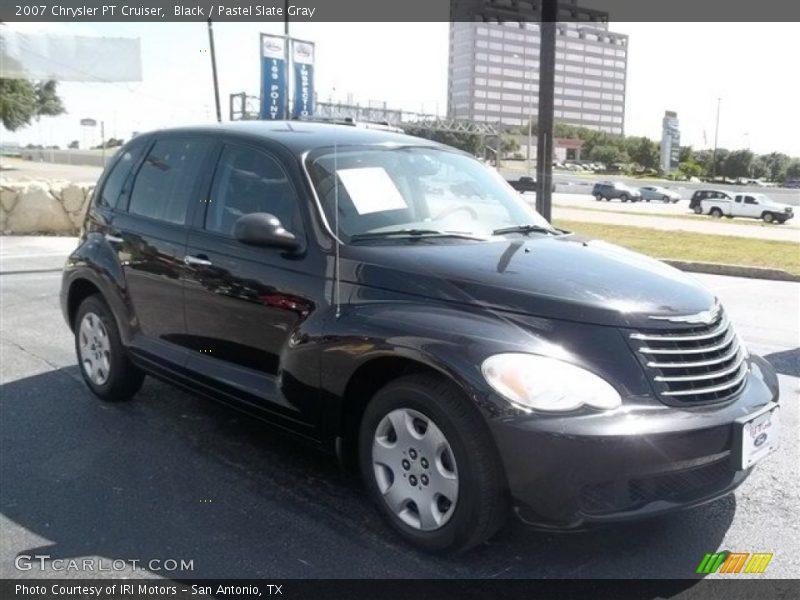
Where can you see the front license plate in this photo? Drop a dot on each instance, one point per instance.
(759, 436)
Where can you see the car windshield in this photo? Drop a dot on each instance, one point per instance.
(418, 191)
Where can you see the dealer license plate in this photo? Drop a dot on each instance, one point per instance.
(759, 435)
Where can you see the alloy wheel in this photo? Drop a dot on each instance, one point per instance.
(415, 469)
(95, 348)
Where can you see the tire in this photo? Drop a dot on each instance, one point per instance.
(598, 197)
(698, 210)
(102, 359)
(715, 212)
(768, 217)
(624, 197)
(467, 472)
(665, 200)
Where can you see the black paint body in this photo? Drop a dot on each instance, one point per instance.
(259, 329)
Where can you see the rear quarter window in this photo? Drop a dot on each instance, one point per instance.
(121, 169)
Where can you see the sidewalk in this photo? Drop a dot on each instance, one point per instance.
(23, 254)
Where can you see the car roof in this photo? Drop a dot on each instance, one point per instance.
(302, 136)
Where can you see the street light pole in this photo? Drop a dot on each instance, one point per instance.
(544, 129)
(214, 69)
(716, 139)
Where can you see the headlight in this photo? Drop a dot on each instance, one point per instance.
(547, 384)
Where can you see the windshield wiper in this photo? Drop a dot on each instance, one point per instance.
(526, 229)
(411, 233)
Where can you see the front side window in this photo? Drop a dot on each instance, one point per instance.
(248, 181)
(168, 179)
(367, 190)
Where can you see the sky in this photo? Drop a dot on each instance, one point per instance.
(684, 67)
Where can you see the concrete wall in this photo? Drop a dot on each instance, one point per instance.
(50, 207)
(93, 158)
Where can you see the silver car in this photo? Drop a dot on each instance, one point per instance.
(654, 192)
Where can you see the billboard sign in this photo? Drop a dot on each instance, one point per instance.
(303, 88)
(273, 77)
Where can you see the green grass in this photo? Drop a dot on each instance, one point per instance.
(680, 245)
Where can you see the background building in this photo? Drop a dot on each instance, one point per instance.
(493, 74)
(670, 142)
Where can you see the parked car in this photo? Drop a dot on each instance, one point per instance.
(467, 357)
(699, 195)
(754, 206)
(654, 192)
(526, 184)
(608, 190)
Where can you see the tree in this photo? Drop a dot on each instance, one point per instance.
(22, 101)
(776, 163)
(643, 151)
(686, 155)
(737, 164)
(74, 145)
(690, 168)
(793, 169)
(608, 154)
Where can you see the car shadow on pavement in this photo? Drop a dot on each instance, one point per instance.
(172, 476)
(786, 362)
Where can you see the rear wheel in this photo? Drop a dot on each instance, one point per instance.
(102, 358)
(698, 210)
(430, 465)
(716, 213)
(768, 217)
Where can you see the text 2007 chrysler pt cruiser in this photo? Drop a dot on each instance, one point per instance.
(396, 302)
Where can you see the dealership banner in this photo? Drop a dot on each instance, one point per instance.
(303, 88)
(273, 77)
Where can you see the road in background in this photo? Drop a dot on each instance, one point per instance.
(171, 475)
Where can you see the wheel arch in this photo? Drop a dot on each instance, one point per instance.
(79, 289)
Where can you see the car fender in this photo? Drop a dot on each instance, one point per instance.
(95, 261)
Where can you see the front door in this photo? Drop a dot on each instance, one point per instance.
(244, 303)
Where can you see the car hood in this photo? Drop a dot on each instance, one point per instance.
(565, 277)
(776, 205)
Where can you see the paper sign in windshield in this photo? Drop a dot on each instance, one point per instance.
(371, 190)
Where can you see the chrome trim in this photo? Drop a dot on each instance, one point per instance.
(729, 337)
(699, 363)
(705, 317)
(313, 188)
(710, 390)
(723, 325)
(703, 376)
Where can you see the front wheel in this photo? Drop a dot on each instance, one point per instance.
(430, 465)
(665, 199)
(598, 197)
(624, 197)
(102, 358)
(768, 217)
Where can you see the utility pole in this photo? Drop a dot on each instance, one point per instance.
(214, 70)
(716, 139)
(544, 141)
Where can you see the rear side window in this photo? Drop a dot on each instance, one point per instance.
(168, 179)
(119, 173)
(247, 181)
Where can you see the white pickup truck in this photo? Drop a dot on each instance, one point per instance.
(755, 206)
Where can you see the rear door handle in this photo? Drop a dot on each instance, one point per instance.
(197, 261)
(113, 239)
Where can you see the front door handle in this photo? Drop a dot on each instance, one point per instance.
(113, 239)
(197, 261)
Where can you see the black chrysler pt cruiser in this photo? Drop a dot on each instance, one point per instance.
(394, 301)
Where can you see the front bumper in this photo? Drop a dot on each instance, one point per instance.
(568, 472)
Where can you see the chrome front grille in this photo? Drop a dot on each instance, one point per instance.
(693, 362)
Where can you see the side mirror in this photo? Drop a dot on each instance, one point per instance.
(264, 229)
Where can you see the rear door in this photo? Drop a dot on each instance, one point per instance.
(149, 233)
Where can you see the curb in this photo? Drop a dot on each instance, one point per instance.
(732, 270)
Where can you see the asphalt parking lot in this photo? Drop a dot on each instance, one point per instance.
(173, 476)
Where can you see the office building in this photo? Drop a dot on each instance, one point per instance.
(493, 73)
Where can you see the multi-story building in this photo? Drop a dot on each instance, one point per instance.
(493, 73)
